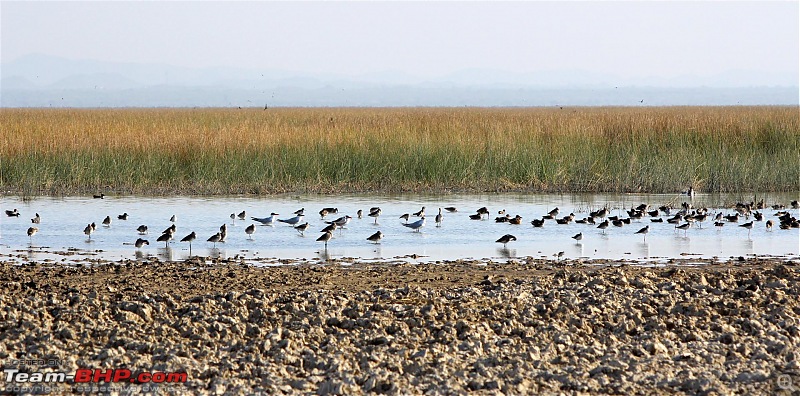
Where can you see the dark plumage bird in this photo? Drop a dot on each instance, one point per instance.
(215, 238)
(250, 230)
(99, 196)
(36, 220)
(123, 216)
(376, 237)
(421, 213)
(451, 209)
(107, 221)
(476, 216)
(141, 242)
(303, 227)
(537, 223)
(578, 236)
(189, 238)
(142, 229)
(12, 213)
(243, 215)
(88, 231)
(31, 232)
(375, 212)
(325, 238)
(644, 231)
(603, 226)
(165, 237)
(749, 226)
(684, 227)
(505, 239)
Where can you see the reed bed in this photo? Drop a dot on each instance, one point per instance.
(230, 151)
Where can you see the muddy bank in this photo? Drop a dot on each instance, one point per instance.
(519, 328)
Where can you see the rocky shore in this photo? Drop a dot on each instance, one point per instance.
(530, 327)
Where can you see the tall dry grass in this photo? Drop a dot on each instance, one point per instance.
(218, 151)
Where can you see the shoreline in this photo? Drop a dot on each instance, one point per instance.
(458, 327)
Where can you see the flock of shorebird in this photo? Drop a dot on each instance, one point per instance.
(682, 219)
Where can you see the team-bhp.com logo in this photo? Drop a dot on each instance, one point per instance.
(24, 380)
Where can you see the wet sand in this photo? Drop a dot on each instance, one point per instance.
(348, 328)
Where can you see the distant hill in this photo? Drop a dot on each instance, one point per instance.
(45, 81)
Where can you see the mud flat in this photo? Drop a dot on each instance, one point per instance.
(349, 328)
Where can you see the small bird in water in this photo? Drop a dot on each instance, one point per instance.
(769, 225)
(417, 225)
(684, 227)
(603, 226)
(302, 211)
(123, 216)
(12, 213)
(215, 238)
(374, 212)
(323, 213)
(242, 215)
(88, 231)
(578, 236)
(189, 238)
(266, 220)
(140, 242)
(360, 213)
(250, 230)
(142, 229)
(292, 221)
(174, 218)
(36, 220)
(376, 237)
(404, 217)
(644, 231)
(451, 209)
(302, 228)
(505, 239)
(439, 218)
(107, 221)
(31, 232)
(99, 196)
(166, 237)
(233, 219)
(749, 226)
(421, 213)
(325, 237)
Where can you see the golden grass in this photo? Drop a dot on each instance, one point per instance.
(220, 151)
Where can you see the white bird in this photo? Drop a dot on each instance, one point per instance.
(266, 220)
(416, 225)
(293, 220)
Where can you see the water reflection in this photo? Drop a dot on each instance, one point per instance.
(459, 237)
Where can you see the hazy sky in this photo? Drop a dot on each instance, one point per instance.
(634, 39)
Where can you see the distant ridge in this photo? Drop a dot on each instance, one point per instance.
(48, 81)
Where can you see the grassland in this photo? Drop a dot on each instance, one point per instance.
(223, 151)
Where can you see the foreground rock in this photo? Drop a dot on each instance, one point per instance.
(454, 328)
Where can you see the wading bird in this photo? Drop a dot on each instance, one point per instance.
(375, 212)
(123, 216)
(292, 221)
(140, 242)
(36, 220)
(325, 237)
(505, 239)
(376, 237)
(250, 230)
(302, 228)
(417, 225)
(644, 231)
(266, 220)
(215, 238)
(142, 229)
(578, 236)
(31, 232)
(189, 238)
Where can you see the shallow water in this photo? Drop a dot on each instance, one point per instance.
(61, 238)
